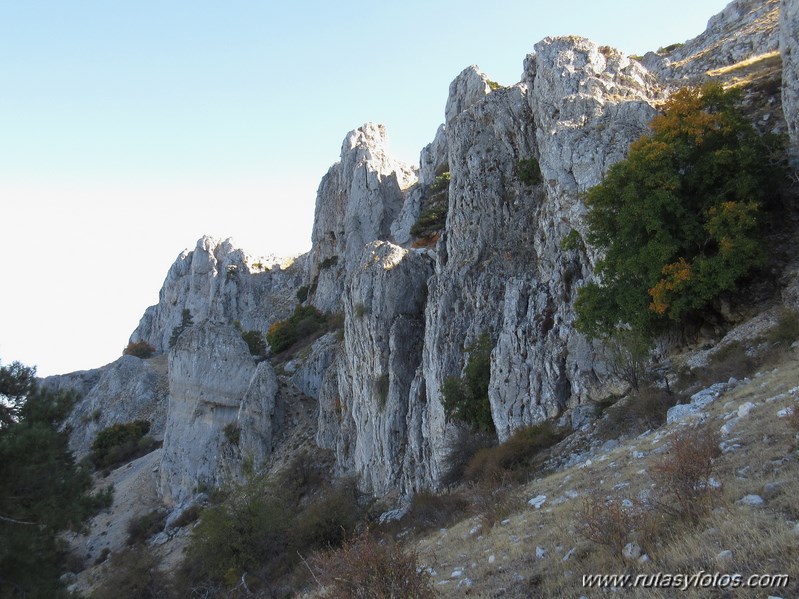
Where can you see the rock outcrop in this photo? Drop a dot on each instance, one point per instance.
(745, 28)
(221, 405)
(789, 48)
(126, 390)
(363, 413)
(519, 160)
(221, 282)
(357, 201)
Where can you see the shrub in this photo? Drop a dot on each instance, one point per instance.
(609, 522)
(232, 432)
(572, 241)
(435, 205)
(381, 389)
(302, 293)
(186, 321)
(249, 532)
(145, 526)
(255, 342)
(329, 262)
(683, 473)
(529, 171)
(328, 520)
(304, 323)
(678, 221)
(512, 459)
(134, 574)
(432, 510)
(364, 567)
(188, 516)
(786, 331)
(262, 527)
(465, 444)
(466, 398)
(646, 409)
(627, 353)
(121, 442)
(140, 349)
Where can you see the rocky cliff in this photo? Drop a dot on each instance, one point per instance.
(412, 305)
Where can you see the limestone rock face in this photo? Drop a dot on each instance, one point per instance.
(500, 268)
(363, 415)
(789, 48)
(357, 201)
(218, 281)
(214, 383)
(468, 88)
(126, 390)
(309, 375)
(745, 28)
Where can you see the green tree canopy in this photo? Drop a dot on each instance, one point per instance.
(466, 398)
(42, 491)
(679, 221)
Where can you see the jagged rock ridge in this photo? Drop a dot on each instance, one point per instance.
(498, 268)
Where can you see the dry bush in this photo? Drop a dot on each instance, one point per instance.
(683, 473)
(430, 510)
(140, 349)
(645, 410)
(493, 505)
(609, 522)
(732, 360)
(786, 331)
(368, 569)
(512, 460)
(793, 418)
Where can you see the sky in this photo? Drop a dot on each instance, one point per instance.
(130, 129)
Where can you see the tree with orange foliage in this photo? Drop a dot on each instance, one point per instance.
(679, 220)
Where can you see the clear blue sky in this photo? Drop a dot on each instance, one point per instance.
(130, 129)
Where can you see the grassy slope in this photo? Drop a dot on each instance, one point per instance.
(501, 560)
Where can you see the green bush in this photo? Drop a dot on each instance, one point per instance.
(529, 171)
(134, 574)
(381, 389)
(232, 432)
(186, 321)
(466, 399)
(255, 342)
(329, 262)
(302, 293)
(139, 349)
(679, 221)
(263, 527)
(304, 323)
(435, 205)
(120, 443)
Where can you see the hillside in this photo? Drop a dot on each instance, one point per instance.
(323, 383)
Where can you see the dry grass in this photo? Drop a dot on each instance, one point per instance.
(502, 559)
(758, 62)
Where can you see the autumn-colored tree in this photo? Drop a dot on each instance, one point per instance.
(679, 220)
